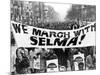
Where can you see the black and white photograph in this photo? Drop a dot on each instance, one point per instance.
(47, 37)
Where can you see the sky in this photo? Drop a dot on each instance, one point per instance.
(61, 9)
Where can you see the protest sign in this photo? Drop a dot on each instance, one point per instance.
(37, 63)
(79, 58)
(52, 65)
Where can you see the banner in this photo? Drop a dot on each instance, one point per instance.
(30, 36)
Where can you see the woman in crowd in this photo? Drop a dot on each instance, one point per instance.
(22, 62)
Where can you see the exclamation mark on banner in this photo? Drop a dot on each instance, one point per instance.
(82, 37)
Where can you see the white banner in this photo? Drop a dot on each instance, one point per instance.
(30, 36)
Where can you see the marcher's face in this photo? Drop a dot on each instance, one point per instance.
(81, 67)
(19, 54)
(26, 52)
(22, 52)
(51, 51)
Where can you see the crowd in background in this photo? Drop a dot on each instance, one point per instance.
(20, 12)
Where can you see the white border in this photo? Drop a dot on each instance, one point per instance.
(5, 36)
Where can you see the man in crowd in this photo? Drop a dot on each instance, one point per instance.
(51, 55)
(90, 60)
(31, 58)
(43, 55)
